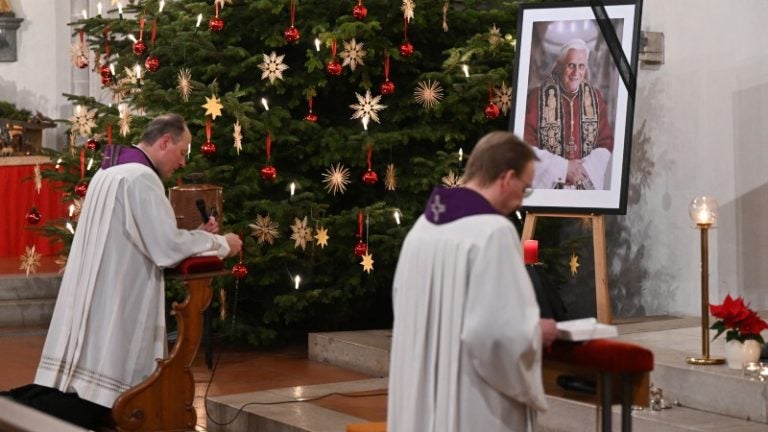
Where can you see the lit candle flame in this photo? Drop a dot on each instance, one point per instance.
(162, 5)
(71, 210)
(465, 68)
(296, 281)
(461, 154)
(293, 188)
(85, 14)
(396, 214)
(317, 44)
(98, 8)
(132, 37)
(365, 122)
(70, 228)
(264, 102)
(58, 163)
(199, 19)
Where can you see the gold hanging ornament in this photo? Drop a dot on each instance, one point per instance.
(83, 121)
(212, 106)
(390, 178)
(321, 237)
(237, 135)
(367, 262)
(428, 93)
(574, 264)
(336, 178)
(184, 83)
(265, 230)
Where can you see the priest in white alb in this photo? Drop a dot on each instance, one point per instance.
(467, 337)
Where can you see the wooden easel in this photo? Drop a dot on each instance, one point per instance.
(602, 297)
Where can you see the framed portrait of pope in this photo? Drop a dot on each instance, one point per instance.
(573, 105)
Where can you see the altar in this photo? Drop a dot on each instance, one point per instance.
(19, 196)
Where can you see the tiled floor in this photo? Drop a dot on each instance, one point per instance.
(238, 371)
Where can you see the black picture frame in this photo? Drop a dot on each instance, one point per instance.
(597, 143)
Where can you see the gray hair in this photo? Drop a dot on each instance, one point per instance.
(170, 123)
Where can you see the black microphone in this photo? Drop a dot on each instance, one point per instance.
(200, 204)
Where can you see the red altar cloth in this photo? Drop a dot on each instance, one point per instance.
(18, 198)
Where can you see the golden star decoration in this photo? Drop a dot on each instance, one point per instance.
(353, 54)
(265, 229)
(390, 178)
(408, 8)
(237, 135)
(184, 83)
(502, 97)
(212, 106)
(367, 262)
(367, 106)
(453, 180)
(83, 121)
(321, 237)
(272, 67)
(336, 179)
(574, 263)
(301, 233)
(494, 36)
(30, 260)
(38, 179)
(428, 93)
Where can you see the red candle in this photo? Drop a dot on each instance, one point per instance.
(531, 251)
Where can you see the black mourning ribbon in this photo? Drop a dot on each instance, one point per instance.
(614, 46)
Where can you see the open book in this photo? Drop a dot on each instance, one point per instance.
(585, 329)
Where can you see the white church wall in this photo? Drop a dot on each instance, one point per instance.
(699, 130)
(42, 72)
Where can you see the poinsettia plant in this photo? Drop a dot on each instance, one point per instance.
(737, 320)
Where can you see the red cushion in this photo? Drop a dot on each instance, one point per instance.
(604, 355)
(199, 264)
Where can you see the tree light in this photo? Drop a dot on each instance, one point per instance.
(162, 5)
(120, 9)
(98, 8)
(71, 210)
(264, 102)
(296, 281)
(365, 122)
(90, 164)
(137, 68)
(70, 228)
(132, 38)
(461, 154)
(293, 188)
(317, 44)
(199, 19)
(465, 68)
(396, 214)
(85, 14)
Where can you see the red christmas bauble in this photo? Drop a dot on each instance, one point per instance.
(311, 117)
(361, 248)
(387, 88)
(333, 67)
(81, 62)
(406, 49)
(139, 47)
(492, 111)
(81, 189)
(208, 149)
(291, 34)
(216, 24)
(239, 270)
(268, 173)
(105, 72)
(33, 216)
(359, 11)
(92, 144)
(152, 63)
(106, 81)
(370, 177)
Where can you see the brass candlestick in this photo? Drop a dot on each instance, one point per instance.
(703, 211)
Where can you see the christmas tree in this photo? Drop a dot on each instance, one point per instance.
(326, 123)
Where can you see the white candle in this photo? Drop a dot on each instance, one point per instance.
(132, 37)
(365, 122)
(465, 68)
(98, 8)
(264, 102)
(137, 68)
(317, 44)
(296, 281)
(70, 228)
(71, 210)
(199, 19)
(293, 188)
(396, 214)
(120, 9)
(461, 154)
(162, 5)
(90, 164)
(85, 14)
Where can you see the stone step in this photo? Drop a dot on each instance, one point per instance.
(277, 410)
(19, 287)
(26, 313)
(364, 351)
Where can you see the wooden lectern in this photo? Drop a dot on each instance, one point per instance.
(164, 401)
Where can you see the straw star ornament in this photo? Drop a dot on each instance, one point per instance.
(301, 233)
(428, 93)
(30, 260)
(237, 136)
(184, 83)
(272, 67)
(336, 178)
(353, 54)
(502, 97)
(367, 106)
(83, 121)
(265, 230)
